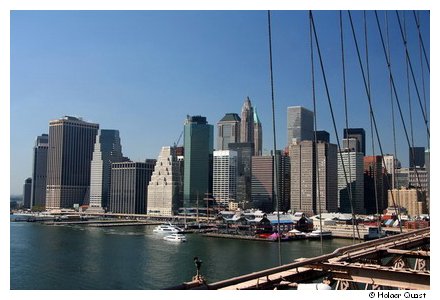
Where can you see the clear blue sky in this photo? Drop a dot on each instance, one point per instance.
(142, 72)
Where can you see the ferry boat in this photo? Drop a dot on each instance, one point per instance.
(316, 234)
(175, 237)
(167, 228)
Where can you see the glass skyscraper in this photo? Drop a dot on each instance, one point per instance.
(198, 144)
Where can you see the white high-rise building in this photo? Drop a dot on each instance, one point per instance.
(107, 150)
(165, 187)
(225, 176)
(354, 170)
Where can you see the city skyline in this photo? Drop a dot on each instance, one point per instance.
(114, 69)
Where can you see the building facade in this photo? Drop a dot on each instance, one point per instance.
(228, 131)
(198, 144)
(247, 122)
(359, 135)
(107, 150)
(244, 170)
(128, 192)
(322, 136)
(375, 190)
(165, 187)
(262, 191)
(411, 200)
(352, 180)
(71, 142)
(258, 135)
(39, 172)
(314, 177)
(299, 124)
(225, 177)
(417, 157)
(27, 187)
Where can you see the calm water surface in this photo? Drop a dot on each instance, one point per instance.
(133, 257)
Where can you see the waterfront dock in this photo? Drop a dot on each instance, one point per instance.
(103, 223)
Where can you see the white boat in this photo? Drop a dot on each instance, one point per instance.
(167, 228)
(316, 234)
(175, 237)
(296, 234)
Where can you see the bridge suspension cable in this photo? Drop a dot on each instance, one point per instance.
(329, 101)
(371, 106)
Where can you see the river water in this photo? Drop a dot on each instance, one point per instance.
(77, 257)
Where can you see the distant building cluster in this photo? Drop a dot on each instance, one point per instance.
(78, 164)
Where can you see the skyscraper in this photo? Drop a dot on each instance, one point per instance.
(228, 129)
(354, 174)
(27, 186)
(198, 144)
(107, 151)
(357, 133)
(225, 176)
(39, 172)
(258, 135)
(263, 182)
(71, 142)
(128, 192)
(247, 122)
(164, 189)
(312, 172)
(417, 157)
(245, 152)
(322, 136)
(375, 197)
(299, 124)
(351, 144)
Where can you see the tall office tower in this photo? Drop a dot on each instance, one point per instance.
(107, 151)
(198, 143)
(164, 190)
(228, 129)
(354, 175)
(391, 165)
(128, 189)
(374, 187)
(351, 144)
(39, 171)
(322, 136)
(225, 176)
(418, 178)
(357, 133)
(71, 142)
(299, 124)
(416, 157)
(244, 170)
(247, 122)
(27, 187)
(283, 161)
(311, 185)
(258, 135)
(263, 183)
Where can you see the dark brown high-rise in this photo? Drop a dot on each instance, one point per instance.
(71, 142)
